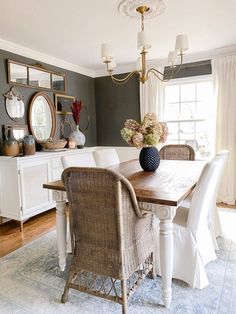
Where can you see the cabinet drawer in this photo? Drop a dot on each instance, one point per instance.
(56, 162)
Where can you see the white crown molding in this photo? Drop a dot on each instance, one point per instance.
(194, 57)
(38, 56)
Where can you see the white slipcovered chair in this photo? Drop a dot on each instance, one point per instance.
(213, 217)
(81, 160)
(106, 157)
(193, 245)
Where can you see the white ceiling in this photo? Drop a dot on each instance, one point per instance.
(73, 30)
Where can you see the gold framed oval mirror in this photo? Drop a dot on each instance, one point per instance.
(42, 117)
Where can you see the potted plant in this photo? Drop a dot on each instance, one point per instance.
(146, 135)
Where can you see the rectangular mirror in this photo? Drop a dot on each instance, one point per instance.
(35, 76)
(39, 78)
(63, 103)
(58, 82)
(17, 73)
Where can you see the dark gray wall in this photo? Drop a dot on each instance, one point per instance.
(80, 86)
(115, 104)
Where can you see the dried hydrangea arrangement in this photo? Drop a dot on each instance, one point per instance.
(148, 133)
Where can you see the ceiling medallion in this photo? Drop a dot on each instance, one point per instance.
(128, 8)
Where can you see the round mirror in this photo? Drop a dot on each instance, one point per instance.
(42, 117)
(14, 104)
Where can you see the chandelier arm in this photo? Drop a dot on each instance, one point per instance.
(115, 79)
(123, 80)
(154, 72)
(174, 72)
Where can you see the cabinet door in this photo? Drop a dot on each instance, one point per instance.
(10, 198)
(34, 197)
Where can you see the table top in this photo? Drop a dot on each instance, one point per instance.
(168, 185)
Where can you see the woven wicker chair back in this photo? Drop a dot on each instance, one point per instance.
(109, 234)
(177, 152)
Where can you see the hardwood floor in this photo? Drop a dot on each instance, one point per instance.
(11, 238)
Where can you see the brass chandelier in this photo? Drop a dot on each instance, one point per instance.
(181, 46)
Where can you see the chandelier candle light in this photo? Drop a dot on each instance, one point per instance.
(144, 45)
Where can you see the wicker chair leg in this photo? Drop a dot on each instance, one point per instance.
(124, 297)
(64, 297)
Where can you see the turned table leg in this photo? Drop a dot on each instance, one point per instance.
(166, 258)
(166, 215)
(61, 223)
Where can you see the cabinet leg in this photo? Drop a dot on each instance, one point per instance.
(21, 226)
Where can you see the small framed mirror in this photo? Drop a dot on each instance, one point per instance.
(17, 73)
(42, 117)
(63, 103)
(19, 131)
(58, 82)
(66, 128)
(39, 78)
(14, 104)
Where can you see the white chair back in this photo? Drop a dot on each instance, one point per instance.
(106, 157)
(78, 160)
(204, 195)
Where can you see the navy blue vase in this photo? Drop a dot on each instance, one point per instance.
(149, 158)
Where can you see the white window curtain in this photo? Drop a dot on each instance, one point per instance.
(224, 81)
(151, 97)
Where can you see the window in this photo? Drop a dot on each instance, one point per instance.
(190, 114)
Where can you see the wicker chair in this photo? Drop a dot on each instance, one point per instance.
(177, 152)
(114, 240)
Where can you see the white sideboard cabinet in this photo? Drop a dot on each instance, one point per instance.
(21, 183)
(21, 180)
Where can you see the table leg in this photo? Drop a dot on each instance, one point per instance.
(61, 223)
(166, 215)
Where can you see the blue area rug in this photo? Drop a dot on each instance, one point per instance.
(30, 282)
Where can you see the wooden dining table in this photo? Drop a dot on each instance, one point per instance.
(164, 190)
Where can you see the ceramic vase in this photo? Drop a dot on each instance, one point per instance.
(10, 144)
(149, 158)
(28, 145)
(78, 137)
